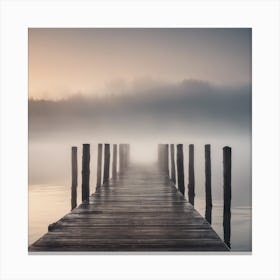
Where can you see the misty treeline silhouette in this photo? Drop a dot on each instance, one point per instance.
(197, 106)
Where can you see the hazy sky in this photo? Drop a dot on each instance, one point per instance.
(63, 62)
(182, 86)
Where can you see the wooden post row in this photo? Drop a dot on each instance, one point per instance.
(191, 193)
(124, 153)
(114, 163)
(125, 163)
(85, 172)
(227, 194)
(160, 156)
(166, 158)
(127, 155)
(74, 177)
(99, 166)
(163, 158)
(208, 191)
(172, 163)
(121, 157)
(106, 169)
(180, 169)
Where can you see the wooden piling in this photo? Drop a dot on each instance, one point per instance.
(74, 161)
(99, 166)
(125, 156)
(172, 163)
(121, 157)
(180, 169)
(128, 155)
(191, 193)
(166, 158)
(114, 163)
(106, 169)
(160, 156)
(227, 194)
(85, 172)
(208, 191)
(162, 165)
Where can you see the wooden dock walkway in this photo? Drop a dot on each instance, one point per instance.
(140, 210)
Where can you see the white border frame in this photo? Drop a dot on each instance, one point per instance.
(17, 16)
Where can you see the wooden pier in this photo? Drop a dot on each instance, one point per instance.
(139, 210)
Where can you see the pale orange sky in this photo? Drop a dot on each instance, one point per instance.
(63, 62)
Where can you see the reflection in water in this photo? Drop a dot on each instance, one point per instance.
(46, 205)
(240, 238)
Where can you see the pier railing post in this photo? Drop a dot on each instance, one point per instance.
(172, 163)
(74, 177)
(160, 156)
(121, 157)
(227, 194)
(99, 166)
(166, 158)
(180, 169)
(127, 155)
(125, 151)
(85, 172)
(208, 191)
(106, 170)
(114, 163)
(191, 193)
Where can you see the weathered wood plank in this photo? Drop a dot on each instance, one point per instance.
(140, 211)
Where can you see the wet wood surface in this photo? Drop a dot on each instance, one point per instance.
(139, 211)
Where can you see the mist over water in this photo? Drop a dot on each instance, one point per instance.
(166, 111)
(190, 112)
(50, 163)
